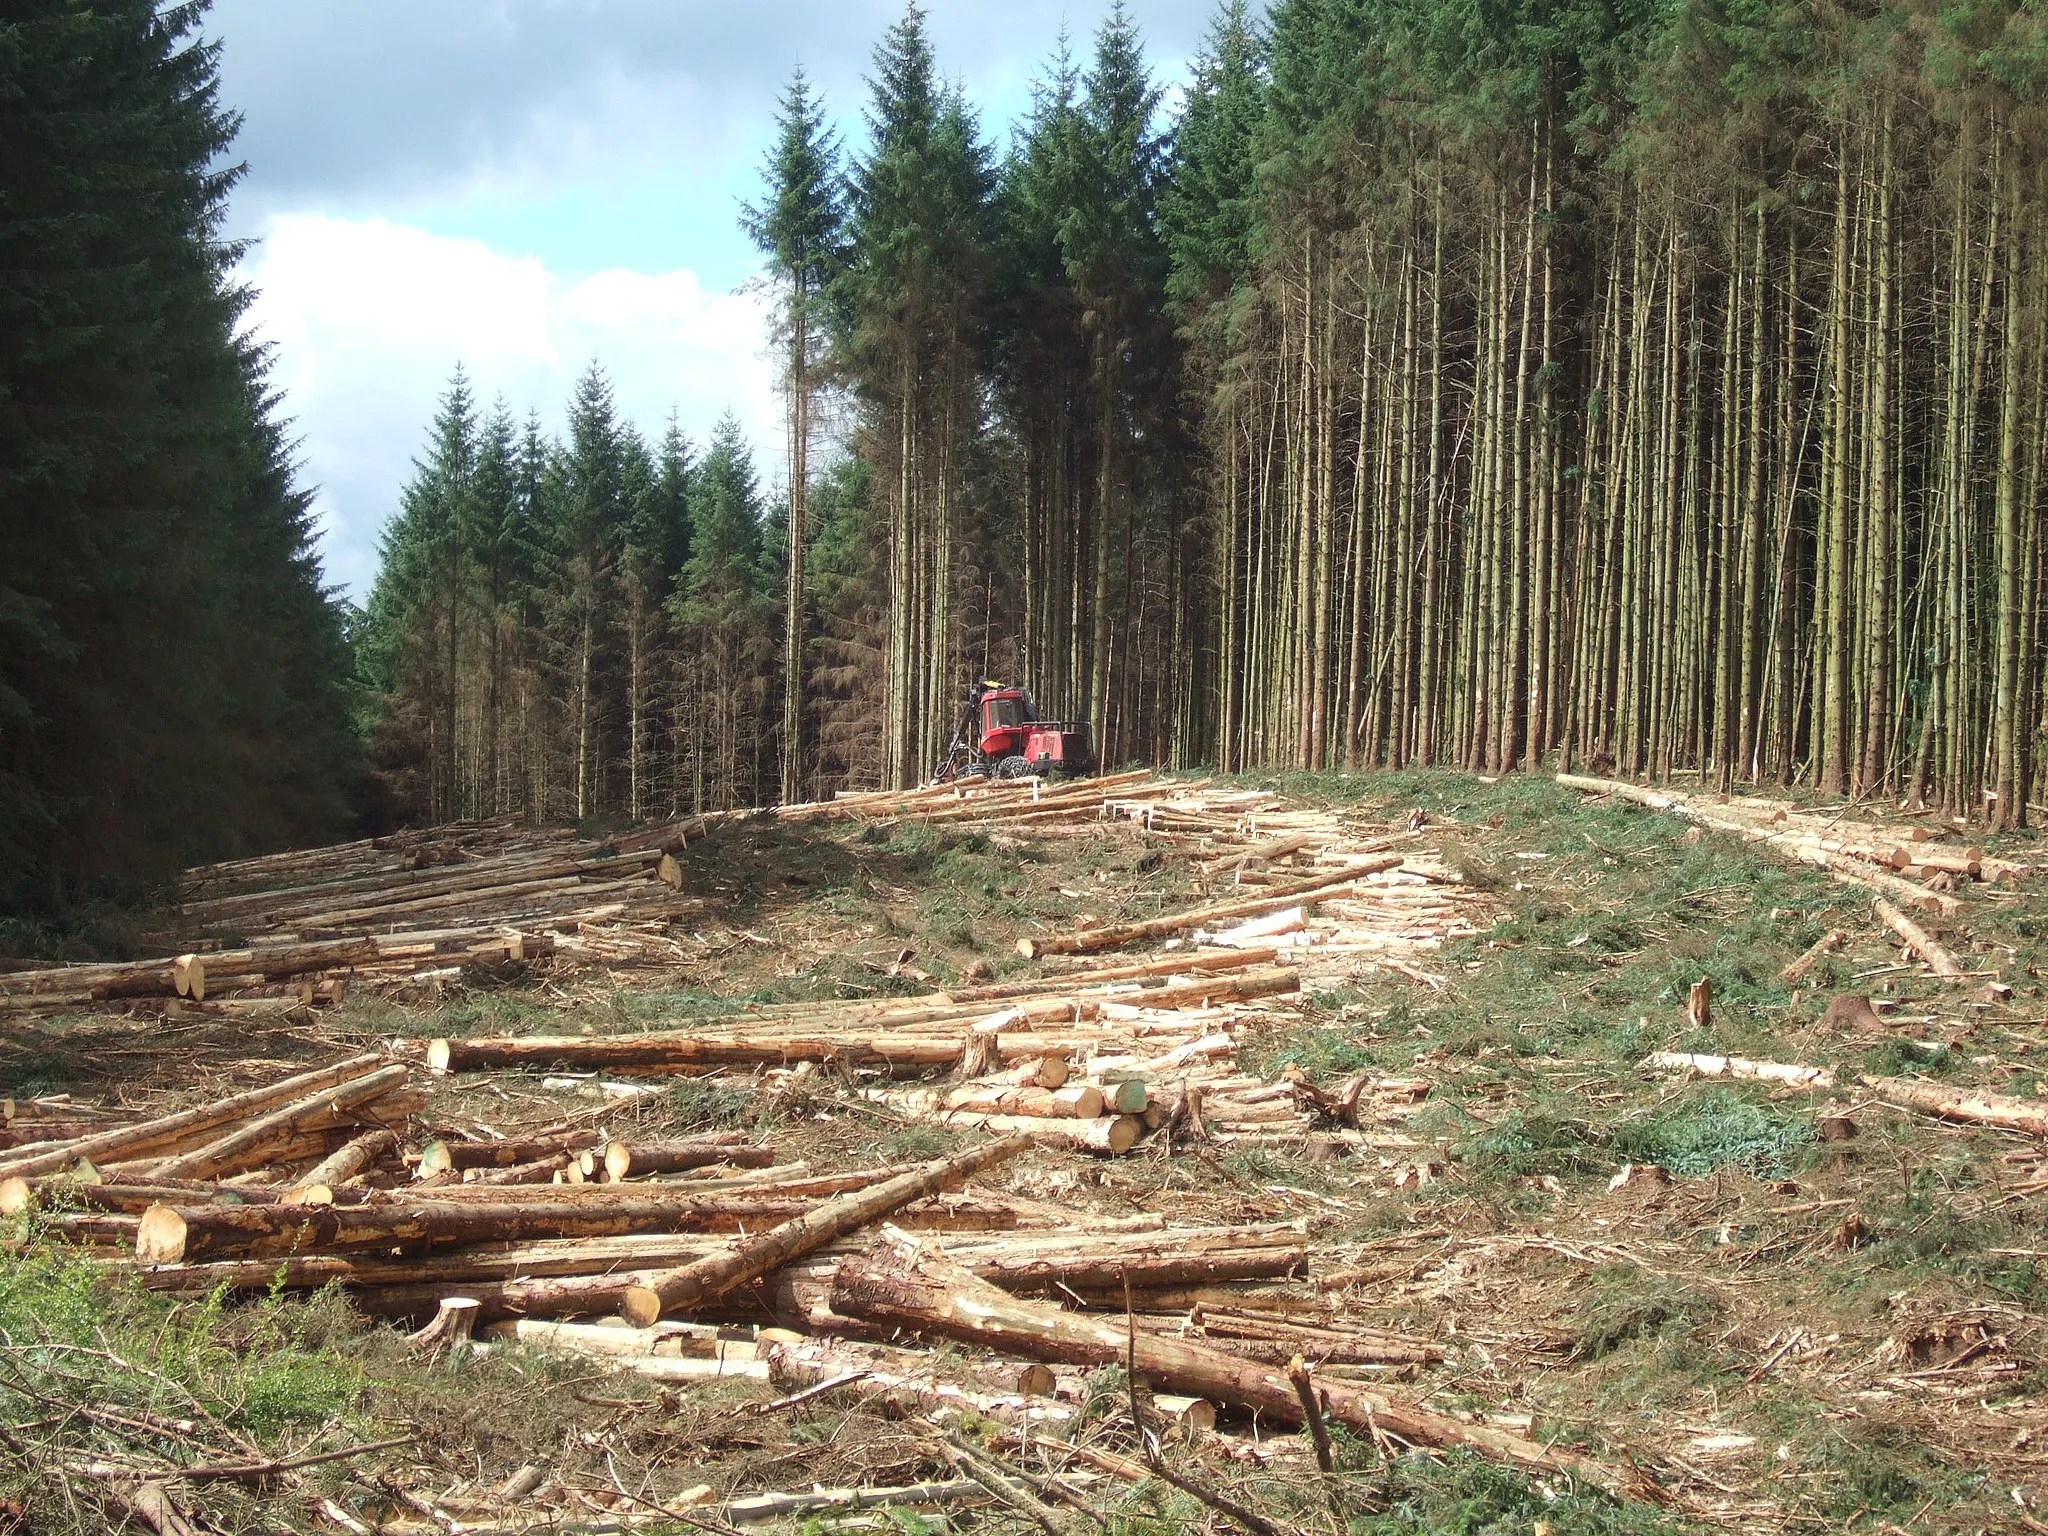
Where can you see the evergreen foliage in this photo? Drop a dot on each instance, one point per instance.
(1656, 387)
(172, 672)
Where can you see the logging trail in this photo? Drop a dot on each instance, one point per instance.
(1617, 1161)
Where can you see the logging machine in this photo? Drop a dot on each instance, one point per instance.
(1000, 736)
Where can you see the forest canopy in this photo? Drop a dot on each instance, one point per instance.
(172, 672)
(1649, 386)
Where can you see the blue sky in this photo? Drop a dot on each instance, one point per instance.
(527, 185)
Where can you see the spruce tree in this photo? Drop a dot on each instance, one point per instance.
(798, 226)
(724, 606)
(171, 671)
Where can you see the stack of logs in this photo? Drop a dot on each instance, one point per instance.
(722, 1263)
(1093, 1062)
(424, 906)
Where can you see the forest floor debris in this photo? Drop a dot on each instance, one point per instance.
(1576, 1167)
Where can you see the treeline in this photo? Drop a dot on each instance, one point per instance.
(172, 674)
(573, 628)
(1656, 387)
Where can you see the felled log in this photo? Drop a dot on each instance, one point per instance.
(669, 1351)
(1113, 935)
(175, 1234)
(1204, 962)
(746, 1193)
(1703, 1065)
(914, 1381)
(227, 1153)
(693, 1283)
(344, 1165)
(521, 1279)
(1967, 1106)
(1843, 867)
(555, 1168)
(19, 1195)
(1918, 940)
(1045, 1072)
(625, 1158)
(1082, 1102)
(1111, 1135)
(438, 1157)
(170, 1134)
(898, 1281)
(30, 1135)
(1277, 1341)
(1828, 942)
(673, 1050)
(89, 1226)
(895, 1048)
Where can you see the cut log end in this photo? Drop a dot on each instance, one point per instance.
(16, 1196)
(437, 1056)
(1028, 948)
(642, 1306)
(160, 1239)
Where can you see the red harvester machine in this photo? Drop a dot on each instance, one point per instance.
(999, 735)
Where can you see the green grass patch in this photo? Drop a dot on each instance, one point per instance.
(1461, 1495)
(1715, 1130)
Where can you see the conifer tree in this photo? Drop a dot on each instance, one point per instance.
(723, 605)
(586, 499)
(798, 227)
(171, 671)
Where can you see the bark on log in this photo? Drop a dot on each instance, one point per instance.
(1918, 940)
(226, 1154)
(1112, 1135)
(915, 1382)
(623, 1159)
(1083, 1102)
(343, 1165)
(1827, 943)
(901, 1282)
(1207, 963)
(19, 1195)
(176, 1234)
(693, 1283)
(1850, 870)
(438, 1157)
(746, 1193)
(170, 1134)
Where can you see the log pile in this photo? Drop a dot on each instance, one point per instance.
(291, 931)
(1107, 1061)
(724, 1265)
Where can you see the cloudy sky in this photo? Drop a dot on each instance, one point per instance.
(524, 186)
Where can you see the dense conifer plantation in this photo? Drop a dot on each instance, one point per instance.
(1483, 382)
(171, 672)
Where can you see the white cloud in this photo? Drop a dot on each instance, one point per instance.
(369, 317)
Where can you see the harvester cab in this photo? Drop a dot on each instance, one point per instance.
(1000, 735)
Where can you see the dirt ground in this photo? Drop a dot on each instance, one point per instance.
(1796, 1309)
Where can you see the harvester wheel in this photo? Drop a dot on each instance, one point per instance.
(1013, 768)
